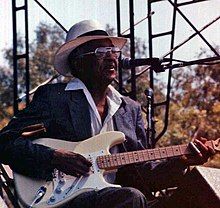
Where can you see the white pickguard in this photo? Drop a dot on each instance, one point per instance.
(64, 188)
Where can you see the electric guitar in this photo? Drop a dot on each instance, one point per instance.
(41, 193)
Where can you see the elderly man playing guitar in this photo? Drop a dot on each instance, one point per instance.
(68, 168)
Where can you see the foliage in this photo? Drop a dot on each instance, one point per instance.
(198, 91)
(41, 53)
(194, 107)
(48, 39)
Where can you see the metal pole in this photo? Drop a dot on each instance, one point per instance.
(15, 67)
(132, 49)
(119, 34)
(151, 131)
(27, 75)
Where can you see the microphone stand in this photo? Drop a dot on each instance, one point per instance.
(150, 117)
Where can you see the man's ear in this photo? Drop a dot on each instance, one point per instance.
(76, 66)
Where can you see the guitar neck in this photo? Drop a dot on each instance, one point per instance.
(117, 160)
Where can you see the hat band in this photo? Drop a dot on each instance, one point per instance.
(94, 33)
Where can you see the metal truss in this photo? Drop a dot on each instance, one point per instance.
(16, 56)
(5, 181)
(166, 58)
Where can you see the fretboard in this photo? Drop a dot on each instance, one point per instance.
(117, 160)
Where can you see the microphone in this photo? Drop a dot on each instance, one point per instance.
(155, 63)
(149, 93)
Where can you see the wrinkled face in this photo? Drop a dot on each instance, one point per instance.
(94, 69)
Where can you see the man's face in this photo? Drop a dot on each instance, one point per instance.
(95, 69)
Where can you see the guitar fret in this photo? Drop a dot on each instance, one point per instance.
(119, 160)
(151, 154)
(156, 153)
(99, 161)
(127, 159)
(141, 156)
(185, 149)
(131, 157)
(105, 162)
(122, 158)
(145, 154)
(136, 157)
(108, 161)
(179, 148)
(115, 161)
(169, 151)
(176, 150)
(163, 152)
(111, 160)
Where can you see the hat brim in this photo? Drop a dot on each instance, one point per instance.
(61, 57)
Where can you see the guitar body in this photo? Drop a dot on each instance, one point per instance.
(64, 188)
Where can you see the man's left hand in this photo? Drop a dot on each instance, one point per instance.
(198, 158)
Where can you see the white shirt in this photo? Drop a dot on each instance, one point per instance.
(113, 100)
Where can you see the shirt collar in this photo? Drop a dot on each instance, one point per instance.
(114, 98)
(77, 84)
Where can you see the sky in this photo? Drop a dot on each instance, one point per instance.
(69, 12)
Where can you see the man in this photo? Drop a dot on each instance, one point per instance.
(86, 106)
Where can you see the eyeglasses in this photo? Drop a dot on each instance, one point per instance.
(102, 51)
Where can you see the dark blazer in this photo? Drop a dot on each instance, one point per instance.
(65, 114)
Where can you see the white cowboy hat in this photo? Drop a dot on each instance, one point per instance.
(78, 34)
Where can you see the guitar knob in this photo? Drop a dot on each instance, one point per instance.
(52, 199)
(61, 181)
(58, 190)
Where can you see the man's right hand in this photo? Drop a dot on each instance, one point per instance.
(70, 163)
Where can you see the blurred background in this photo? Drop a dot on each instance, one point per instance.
(185, 96)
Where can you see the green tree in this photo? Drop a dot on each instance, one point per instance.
(195, 106)
(42, 50)
(6, 94)
(48, 39)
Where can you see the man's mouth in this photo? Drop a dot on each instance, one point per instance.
(110, 67)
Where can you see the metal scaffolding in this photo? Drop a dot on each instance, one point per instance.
(176, 9)
(176, 5)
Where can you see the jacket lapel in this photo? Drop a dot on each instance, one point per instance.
(79, 111)
(124, 122)
(122, 118)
